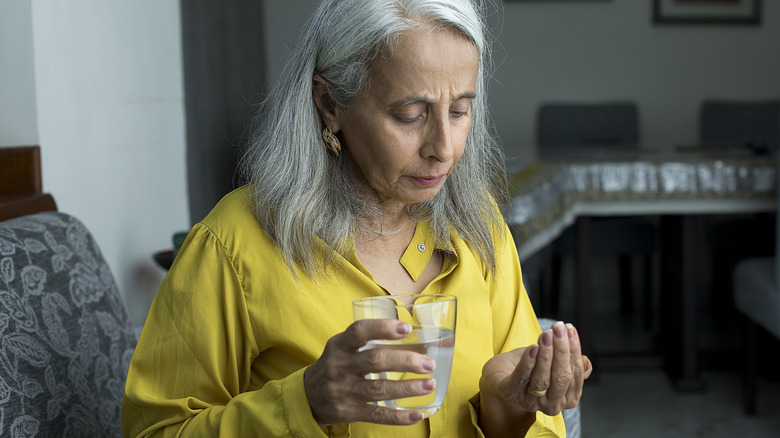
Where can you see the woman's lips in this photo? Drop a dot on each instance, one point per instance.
(428, 181)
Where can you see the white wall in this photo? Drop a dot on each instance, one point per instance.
(111, 128)
(18, 119)
(602, 50)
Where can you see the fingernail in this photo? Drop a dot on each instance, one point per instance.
(558, 330)
(547, 338)
(428, 364)
(404, 329)
(429, 384)
(570, 330)
(534, 351)
(415, 416)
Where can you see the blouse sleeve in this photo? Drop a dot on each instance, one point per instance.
(190, 373)
(514, 325)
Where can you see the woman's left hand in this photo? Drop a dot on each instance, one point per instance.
(546, 377)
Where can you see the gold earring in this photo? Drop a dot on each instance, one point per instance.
(333, 143)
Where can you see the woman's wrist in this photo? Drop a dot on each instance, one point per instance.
(498, 418)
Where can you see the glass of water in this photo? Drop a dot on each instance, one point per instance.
(432, 318)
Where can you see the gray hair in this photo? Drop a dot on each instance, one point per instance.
(305, 198)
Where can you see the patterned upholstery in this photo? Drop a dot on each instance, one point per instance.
(571, 417)
(65, 336)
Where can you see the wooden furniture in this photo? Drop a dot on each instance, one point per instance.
(21, 186)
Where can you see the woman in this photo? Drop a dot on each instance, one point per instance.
(372, 173)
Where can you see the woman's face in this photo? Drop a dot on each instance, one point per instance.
(408, 130)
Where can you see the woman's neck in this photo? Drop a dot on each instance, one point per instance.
(389, 225)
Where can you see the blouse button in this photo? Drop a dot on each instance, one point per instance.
(421, 247)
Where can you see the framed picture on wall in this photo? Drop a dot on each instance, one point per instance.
(746, 12)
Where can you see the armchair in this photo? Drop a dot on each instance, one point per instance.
(66, 338)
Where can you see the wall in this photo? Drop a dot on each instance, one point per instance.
(611, 50)
(601, 50)
(111, 128)
(18, 118)
(223, 67)
(281, 23)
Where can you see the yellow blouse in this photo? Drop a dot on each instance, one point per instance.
(230, 333)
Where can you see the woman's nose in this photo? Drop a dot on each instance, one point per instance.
(438, 142)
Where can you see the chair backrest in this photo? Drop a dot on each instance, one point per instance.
(65, 336)
(588, 124)
(755, 124)
(20, 169)
(21, 188)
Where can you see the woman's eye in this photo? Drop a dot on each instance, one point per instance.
(459, 113)
(409, 119)
(460, 110)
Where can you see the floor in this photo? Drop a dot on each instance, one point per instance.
(639, 400)
(644, 404)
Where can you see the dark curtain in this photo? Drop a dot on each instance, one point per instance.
(224, 73)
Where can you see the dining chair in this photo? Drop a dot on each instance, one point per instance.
(567, 126)
(588, 124)
(752, 124)
(757, 296)
(755, 126)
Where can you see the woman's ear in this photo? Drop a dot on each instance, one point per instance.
(325, 103)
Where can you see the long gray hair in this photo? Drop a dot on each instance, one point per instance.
(305, 198)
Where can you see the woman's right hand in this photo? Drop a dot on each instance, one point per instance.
(336, 386)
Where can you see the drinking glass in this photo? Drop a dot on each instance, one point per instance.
(432, 318)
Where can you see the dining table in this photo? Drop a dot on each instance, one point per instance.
(567, 187)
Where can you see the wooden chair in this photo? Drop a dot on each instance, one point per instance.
(21, 187)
